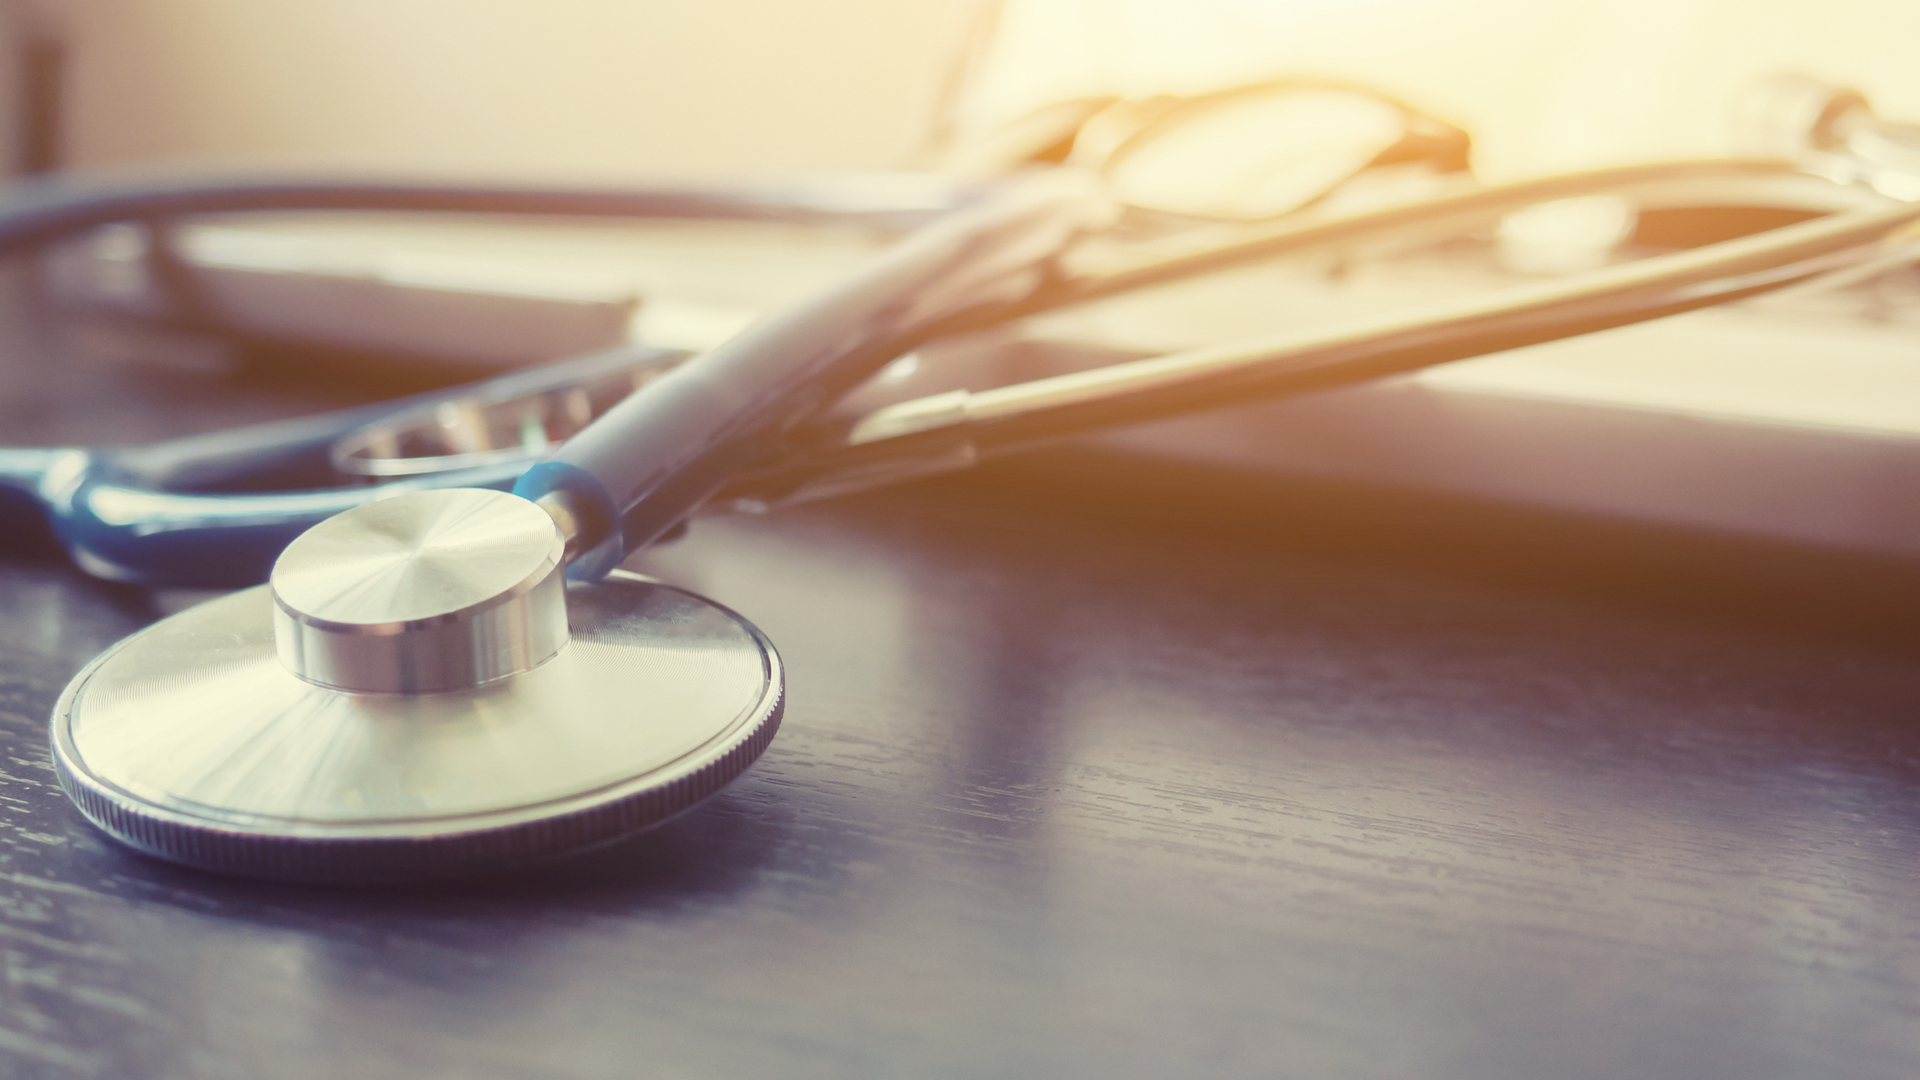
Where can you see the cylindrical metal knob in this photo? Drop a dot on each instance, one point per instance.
(423, 592)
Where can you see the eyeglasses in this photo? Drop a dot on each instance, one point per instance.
(1244, 153)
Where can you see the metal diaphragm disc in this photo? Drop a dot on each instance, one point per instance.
(191, 741)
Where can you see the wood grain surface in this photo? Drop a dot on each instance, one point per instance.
(1064, 796)
(1068, 791)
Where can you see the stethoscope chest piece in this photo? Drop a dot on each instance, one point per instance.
(418, 693)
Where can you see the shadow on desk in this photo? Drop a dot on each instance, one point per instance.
(1655, 568)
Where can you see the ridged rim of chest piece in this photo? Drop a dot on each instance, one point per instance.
(239, 766)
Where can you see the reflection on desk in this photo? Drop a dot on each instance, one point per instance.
(1064, 794)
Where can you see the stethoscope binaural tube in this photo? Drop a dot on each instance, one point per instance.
(39, 210)
(214, 510)
(638, 471)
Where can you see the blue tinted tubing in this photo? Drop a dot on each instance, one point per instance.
(128, 533)
(214, 511)
(636, 473)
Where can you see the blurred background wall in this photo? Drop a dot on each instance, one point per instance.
(570, 86)
(669, 87)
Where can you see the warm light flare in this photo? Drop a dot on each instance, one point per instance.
(1543, 87)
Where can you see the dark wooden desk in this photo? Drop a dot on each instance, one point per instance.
(1061, 796)
(1065, 792)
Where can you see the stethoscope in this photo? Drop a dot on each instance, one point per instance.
(442, 676)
